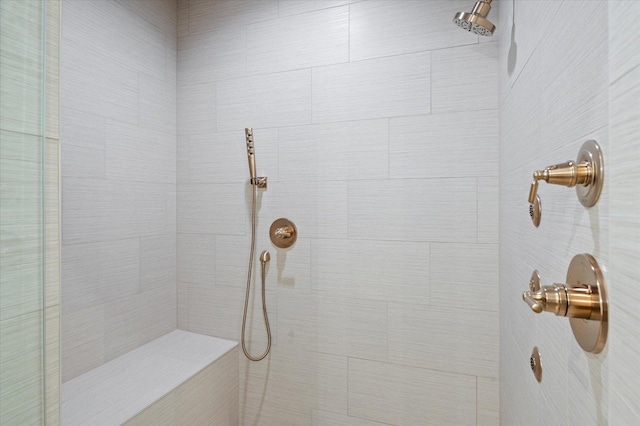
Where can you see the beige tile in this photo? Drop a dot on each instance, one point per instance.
(453, 339)
(488, 402)
(404, 395)
(465, 276)
(371, 270)
(413, 26)
(414, 210)
(353, 91)
(303, 41)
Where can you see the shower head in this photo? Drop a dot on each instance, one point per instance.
(476, 21)
(248, 133)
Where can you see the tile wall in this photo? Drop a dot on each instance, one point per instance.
(560, 86)
(118, 128)
(376, 123)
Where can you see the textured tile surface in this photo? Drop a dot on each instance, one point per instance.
(118, 167)
(118, 390)
(354, 91)
(407, 395)
(393, 27)
(373, 181)
(574, 101)
(300, 41)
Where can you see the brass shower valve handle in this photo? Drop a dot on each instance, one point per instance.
(578, 302)
(586, 174)
(583, 299)
(568, 174)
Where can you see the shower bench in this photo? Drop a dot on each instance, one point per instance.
(181, 378)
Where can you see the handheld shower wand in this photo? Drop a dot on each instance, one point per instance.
(256, 182)
(248, 133)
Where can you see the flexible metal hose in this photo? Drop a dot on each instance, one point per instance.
(246, 297)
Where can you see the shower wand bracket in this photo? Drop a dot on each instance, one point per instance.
(260, 182)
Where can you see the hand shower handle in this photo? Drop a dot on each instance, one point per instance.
(248, 133)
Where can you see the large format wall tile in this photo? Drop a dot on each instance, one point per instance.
(457, 340)
(403, 395)
(464, 276)
(271, 100)
(118, 142)
(387, 193)
(414, 210)
(349, 327)
(444, 145)
(334, 151)
(394, 27)
(465, 78)
(371, 270)
(301, 41)
(355, 91)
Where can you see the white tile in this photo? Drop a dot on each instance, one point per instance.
(83, 150)
(301, 41)
(157, 261)
(288, 271)
(413, 210)
(134, 153)
(273, 100)
(157, 104)
(100, 27)
(624, 372)
(97, 273)
(217, 311)
(294, 7)
(219, 53)
(334, 151)
(371, 270)
(403, 395)
(222, 157)
(21, 379)
(385, 28)
(488, 402)
(457, 86)
(205, 15)
(519, 35)
(116, 391)
(318, 209)
(197, 109)
(212, 208)
(460, 144)
(339, 326)
(327, 418)
(623, 38)
(447, 339)
(354, 91)
(465, 276)
(196, 258)
(297, 384)
(97, 210)
(21, 70)
(488, 210)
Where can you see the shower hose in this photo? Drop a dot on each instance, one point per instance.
(246, 297)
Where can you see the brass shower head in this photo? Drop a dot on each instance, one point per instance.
(476, 21)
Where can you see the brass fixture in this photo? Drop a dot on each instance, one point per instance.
(535, 211)
(586, 173)
(476, 21)
(256, 182)
(283, 233)
(536, 364)
(583, 299)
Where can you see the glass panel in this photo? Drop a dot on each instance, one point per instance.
(21, 213)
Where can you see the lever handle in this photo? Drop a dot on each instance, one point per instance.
(535, 306)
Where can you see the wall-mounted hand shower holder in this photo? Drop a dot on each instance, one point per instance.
(583, 299)
(586, 174)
